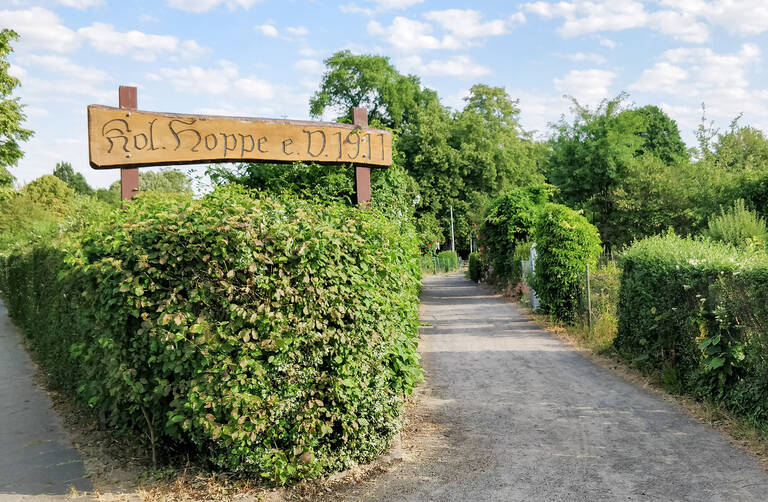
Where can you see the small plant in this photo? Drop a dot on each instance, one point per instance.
(738, 226)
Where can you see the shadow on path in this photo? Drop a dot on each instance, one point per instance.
(526, 418)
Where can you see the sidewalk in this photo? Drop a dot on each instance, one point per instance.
(37, 461)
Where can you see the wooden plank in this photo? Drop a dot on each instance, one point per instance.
(129, 176)
(120, 138)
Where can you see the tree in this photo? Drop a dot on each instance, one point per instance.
(661, 136)
(49, 192)
(76, 181)
(6, 178)
(590, 155)
(369, 82)
(467, 158)
(11, 116)
(167, 180)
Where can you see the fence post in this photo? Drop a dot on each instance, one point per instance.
(589, 303)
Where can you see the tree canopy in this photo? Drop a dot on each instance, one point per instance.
(11, 115)
(76, 181)
(369, 82)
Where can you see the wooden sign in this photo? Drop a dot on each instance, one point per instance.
(130, 138)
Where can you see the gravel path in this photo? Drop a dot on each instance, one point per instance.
(37, 461)
(512, 414)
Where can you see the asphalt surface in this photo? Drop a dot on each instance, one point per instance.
(37, 461)
(514, 414)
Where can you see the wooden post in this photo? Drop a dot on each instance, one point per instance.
(129, 177)
(362, 174)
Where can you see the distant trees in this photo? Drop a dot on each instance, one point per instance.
(76, 181)
(11, 115)
(167, 180)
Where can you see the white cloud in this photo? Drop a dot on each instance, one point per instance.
(462, 27)
(63, 66)
(195, 79)
(268, 30)
(379, 6)
(407, 35)
(256, 87)
(743, 17)
(298, 31)
(39, 29)
(80, 4)
(695, 75)
(219, 80)
(662, 77)
(139, 45)
(607, 42)
(309, 66)
(594, 16)
(467, 24)
(17, 71)
(588, 86)
(457, 66)
(206, 5)
(589, 57)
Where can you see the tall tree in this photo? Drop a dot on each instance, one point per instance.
(590, 155)
(11, 115)
(660, 134)
(370, 82)
(76, 181)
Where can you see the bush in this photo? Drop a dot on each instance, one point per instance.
(476, 267)
(696, 310)
(565, 243)
(444, 261)
(274, 337)
(738, 226)
(509, 221)
(449, 260)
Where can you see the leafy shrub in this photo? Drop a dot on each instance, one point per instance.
(696, 309)
(476, 267)
(49, 192)
(449, 260)
(444, 261)
(273, 336)
(565, 243)
(509, 221)
(738, 226)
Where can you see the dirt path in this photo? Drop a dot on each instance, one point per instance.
(37, 461)
(520, 416)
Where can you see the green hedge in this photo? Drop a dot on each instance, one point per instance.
(565, 243)
(508, 222)
(444, 261)
(449, 260)
(476, 267)
(698, 311)
(273, 337)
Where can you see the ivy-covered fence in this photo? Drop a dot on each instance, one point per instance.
(275, 337)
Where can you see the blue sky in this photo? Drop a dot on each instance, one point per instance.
(264, 58)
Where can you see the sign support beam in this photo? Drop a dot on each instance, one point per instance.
(362, 173)
(129, 176)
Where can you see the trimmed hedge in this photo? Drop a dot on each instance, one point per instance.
(271, 337)
(565, 243)
(476, 272)
(449, 260)
(698, 311)
(510, 221)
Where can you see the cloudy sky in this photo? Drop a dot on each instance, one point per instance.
(264, 57)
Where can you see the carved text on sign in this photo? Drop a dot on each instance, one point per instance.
(120, 138)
